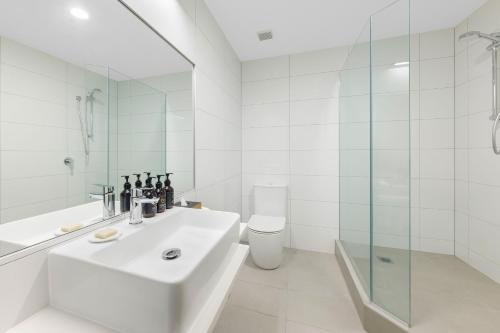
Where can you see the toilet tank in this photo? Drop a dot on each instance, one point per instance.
(271, 200)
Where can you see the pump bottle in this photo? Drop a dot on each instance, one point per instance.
(169, 192)
(149, 209)
(138, 183)
(161, 194)
(125, 196)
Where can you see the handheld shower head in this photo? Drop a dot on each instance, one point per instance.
(89, 113)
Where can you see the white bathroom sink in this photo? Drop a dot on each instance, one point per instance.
(126, 285)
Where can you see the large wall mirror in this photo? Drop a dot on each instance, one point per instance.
(88, 93)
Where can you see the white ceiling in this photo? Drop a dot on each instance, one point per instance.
(112, 36)
(305, 25)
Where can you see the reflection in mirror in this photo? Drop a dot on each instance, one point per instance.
(88, 93)
(154, 128)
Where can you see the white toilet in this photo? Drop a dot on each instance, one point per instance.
(267, 227)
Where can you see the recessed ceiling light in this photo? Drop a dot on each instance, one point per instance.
(79, 13)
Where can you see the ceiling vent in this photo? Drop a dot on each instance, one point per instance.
(265, 35)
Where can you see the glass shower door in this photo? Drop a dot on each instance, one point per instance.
(374, 152)
(139, 142)
(354, 144)
(92, 121)
(390, 159)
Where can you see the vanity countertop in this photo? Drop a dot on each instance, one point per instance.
(33, 230)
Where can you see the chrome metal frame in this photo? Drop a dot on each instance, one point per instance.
(495, 114)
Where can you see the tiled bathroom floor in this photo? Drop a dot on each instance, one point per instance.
(307, 294)
(448, 296)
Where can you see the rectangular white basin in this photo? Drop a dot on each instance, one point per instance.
(127, 286)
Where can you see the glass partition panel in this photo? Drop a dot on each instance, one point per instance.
(390, 159)
(375, 159)
(154, 128)
(176, 87)
(140, 130)
(354, 129)
(91, 133)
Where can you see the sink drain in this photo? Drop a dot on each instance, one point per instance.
(171, 254)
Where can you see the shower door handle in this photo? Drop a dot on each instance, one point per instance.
(494, 134)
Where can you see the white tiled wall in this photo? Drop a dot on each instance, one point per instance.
(143, 139)
(180, 129)
(189, 25)
(477, 181)
(432, 141)
(290, 136)
(39, 128)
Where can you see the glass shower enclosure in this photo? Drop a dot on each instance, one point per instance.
(374, 131)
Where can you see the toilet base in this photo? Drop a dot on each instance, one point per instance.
(266, 249)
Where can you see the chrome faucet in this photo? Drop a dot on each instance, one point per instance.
(108, 200)
(136, 200)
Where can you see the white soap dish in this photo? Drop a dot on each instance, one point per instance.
(59, 232)
(94, 239)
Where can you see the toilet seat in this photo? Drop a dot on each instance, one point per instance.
(266, 224)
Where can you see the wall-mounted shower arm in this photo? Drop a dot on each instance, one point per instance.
(494, 38)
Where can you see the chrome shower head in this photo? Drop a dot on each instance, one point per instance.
(93, 91)
(494, 38)
(469, 35)
(90, 95)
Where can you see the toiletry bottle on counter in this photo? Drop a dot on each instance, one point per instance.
(125, 196)
(148, 209)
(138, 183)
(161, 194)
(169, 192)
(148, 176)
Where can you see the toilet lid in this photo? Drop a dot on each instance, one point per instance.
(263, 223)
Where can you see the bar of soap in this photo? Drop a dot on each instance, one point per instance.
(71, 227)
(197, 205)
(106, 233)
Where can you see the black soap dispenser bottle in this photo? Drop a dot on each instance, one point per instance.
(169, 192)
(138, 182)
(125, 196)
(149, 209)
(161, 194)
